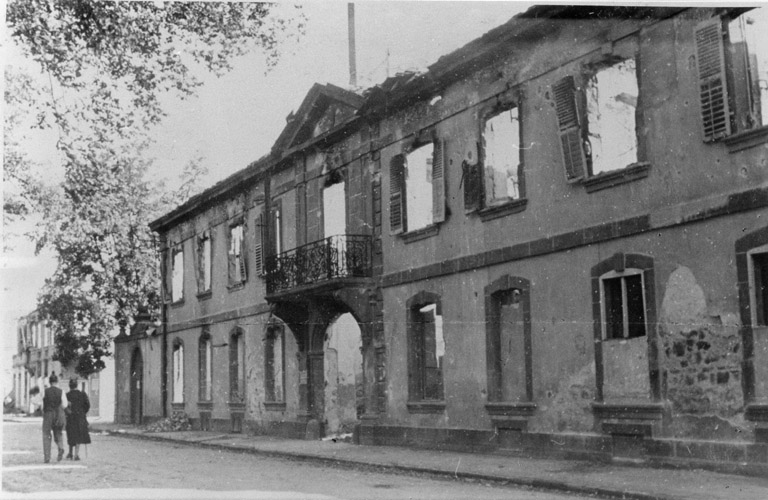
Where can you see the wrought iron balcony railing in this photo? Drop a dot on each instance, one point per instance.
(341, 256)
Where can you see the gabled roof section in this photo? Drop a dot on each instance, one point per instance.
(325, 108)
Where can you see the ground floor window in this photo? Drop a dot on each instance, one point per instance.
(204, 358)
(274, 371)
(237, 367)
(178, 371)
(426, 348)
(623, 304)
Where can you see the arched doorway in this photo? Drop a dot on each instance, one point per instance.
(137, 386)
(343, 365)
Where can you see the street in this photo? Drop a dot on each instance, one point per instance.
(114, 467)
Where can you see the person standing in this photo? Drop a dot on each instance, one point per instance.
(53, 402)
(77, 425)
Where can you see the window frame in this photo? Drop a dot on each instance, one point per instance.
(177, 249)
(232, 263)
(622, 275)
(237, 382)
(716, 83)
(201, 267)
(758, 305)
(205, 367)
(177, 365)
(417, 397)
(398, 198)
(479, 200)
(274, 332)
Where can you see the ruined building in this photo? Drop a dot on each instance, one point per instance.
(552, 241)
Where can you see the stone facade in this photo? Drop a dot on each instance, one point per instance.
(564, 295)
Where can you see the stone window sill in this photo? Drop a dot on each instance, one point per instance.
(177, 407)
(205, 295)
(236, 406)
(205, 405)
(274, 406)
(177, 304)
(509, 409)
(420, 234)
(747, 139)
(509, 208)
(606, 180)
(629, 411)
(236, 286)
(426, 406)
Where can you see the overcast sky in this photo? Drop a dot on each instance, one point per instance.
(237, 118)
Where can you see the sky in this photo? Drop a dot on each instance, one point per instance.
(235, 119)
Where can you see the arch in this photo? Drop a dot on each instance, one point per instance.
(503, 292)
(616, 266)
(137, 386)
(344, 381)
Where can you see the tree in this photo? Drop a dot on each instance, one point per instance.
(108, 66)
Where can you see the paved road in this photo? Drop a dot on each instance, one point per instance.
(118, 468)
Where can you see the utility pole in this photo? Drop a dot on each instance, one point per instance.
(352, 57)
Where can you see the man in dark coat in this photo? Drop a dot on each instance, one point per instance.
(52, 403)
(77, 425)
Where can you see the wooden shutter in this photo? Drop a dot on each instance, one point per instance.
(438, 182)
(243, 256)
(258, 252)
(230, 258)
(569, 128)
(472, 178)
(713, 92)
(397, 215)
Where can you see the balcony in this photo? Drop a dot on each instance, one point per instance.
(320, 262)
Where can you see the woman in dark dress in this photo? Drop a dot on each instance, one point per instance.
(77, 425)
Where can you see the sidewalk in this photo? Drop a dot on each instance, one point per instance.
(582, 477)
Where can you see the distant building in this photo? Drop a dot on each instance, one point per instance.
(33, 363)
(553, 241)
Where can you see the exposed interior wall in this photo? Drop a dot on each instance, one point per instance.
(343, 375)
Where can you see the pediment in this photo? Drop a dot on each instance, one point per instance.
(324, 108)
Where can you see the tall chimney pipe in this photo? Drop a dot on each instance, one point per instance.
(352, 57)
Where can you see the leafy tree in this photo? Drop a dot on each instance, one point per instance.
(108, 66)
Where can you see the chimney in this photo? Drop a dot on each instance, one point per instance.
(352, 57)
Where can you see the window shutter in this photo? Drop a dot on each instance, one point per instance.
(258, 263)
(243, 256)
(397, 214)
(438, 182)
(713, 93)
(472, 177)
(569, 129)
(231, 259)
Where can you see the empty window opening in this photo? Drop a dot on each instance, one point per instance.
(178, 372)
(418, 187)
(501, 150)
(611, 117)
(759, 286)
(623, 306)
(510, 345)
(748, 35)
(204, 262)
(343, 364)
(177, 275)
(237, 272)
(428, 353)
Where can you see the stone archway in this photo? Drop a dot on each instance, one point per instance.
(344, 382)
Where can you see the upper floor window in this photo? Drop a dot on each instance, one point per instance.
(236, 254)
(597, 118)
(501, 157)
(732, 59)
(623, 299)
(204, 262)
(417, 188)
(177, 274)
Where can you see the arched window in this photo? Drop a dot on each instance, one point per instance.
(205, 366)
(237, 367)
(178, 371)
(274, 359)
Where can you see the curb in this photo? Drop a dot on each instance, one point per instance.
(538, 484)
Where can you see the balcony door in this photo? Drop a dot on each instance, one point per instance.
(335, 224)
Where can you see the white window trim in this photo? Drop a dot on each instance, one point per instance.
(625, 318)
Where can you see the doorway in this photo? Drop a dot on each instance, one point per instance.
(343, 362)
(137, 387)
